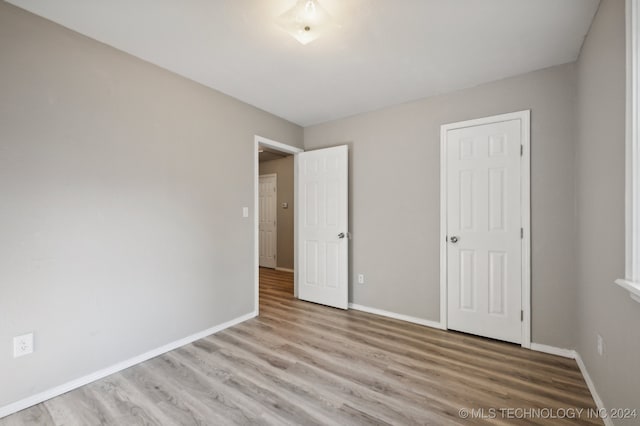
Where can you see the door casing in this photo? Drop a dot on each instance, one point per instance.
(525, 191)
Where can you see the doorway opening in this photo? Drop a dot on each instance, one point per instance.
(274, 218)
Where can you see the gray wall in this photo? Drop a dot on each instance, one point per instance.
(284, 169)
(395, 190)
(120, 220)
(605, 308)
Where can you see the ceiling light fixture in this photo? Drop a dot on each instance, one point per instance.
(305, 21)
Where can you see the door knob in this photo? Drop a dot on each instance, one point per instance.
(341, 235)
(454, 239)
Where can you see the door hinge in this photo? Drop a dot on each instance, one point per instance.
(521, 315)
(521, 233)
(521, 150)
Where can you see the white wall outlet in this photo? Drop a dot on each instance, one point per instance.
(360, 278)
(22, 345)
(600, 345)
(245, 212)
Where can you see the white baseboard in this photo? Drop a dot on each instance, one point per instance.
(407, 318)
(565, 353)
(85, 380)
(592, 388)
(284, 269)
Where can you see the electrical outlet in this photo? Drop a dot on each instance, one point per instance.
(22, 345)
(600, 345)
(360, 278)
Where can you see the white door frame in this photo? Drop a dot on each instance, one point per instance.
(525, 118)
(257, 142)
(273, 175)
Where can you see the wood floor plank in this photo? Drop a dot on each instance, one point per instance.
(79, 407)
(196, 387)
(547, 394)
(370, 372)
(302, 363)
(165, 397)
(256, 388)
(36, 415)
(125, 405)
(420, 357)
(362, 373)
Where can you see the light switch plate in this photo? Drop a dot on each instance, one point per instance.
(245, 212)
(600, 345)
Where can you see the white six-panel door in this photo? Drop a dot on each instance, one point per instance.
(267, 228)
(484, 229)
(322, 241)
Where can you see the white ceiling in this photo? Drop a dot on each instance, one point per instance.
(385, 52)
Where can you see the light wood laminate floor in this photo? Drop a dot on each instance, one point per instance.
(306, 364)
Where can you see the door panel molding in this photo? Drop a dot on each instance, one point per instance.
(496, 149)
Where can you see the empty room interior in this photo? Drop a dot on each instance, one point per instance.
(319, 212)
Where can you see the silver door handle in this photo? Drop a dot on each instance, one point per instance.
(454, 239)
(341, 235)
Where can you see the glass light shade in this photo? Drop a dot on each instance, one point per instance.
(305, 21)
